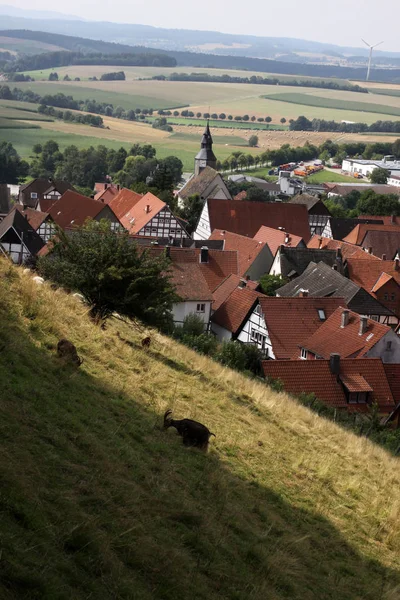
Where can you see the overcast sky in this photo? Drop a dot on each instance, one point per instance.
(342, 22)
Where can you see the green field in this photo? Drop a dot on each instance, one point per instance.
(222, 123)
(329, 177)
(26, 46)
(387, 92)
(333, 103)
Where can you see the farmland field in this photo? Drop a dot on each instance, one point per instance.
(336, 103)
(14, 45)
(230, 98)
(86, 71)
(329, 177)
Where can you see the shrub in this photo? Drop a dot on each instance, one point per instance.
(193, 325)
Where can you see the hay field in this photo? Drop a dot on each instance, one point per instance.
(235, 99)
(86, 71)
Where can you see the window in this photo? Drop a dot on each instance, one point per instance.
(303, 354)
(34, 195)
(201, 308)
(388, 345)
(393, 297)
(358, 397)
(321, 314)
(353, 397)
(257, 309)
(258, 338)
(386, 296)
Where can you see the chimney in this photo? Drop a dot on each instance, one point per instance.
(303, 293)
(204, 254)
(287, 238)
(383, 256)
(363, 325)
(369, 249)
(242, 283)
(392, 219)
(148, 208)
(396, 264)
(345, 318)
(334, 364)
(339, 253)
(334, 267)
(168, 252)
(320, 243)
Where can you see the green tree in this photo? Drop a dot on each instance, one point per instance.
(371, 203)
(112, 274)
(12, 168)
(191, 211)
(253, 141)
(379, 176)
(283, 120)
(37, 149)
(271, 283)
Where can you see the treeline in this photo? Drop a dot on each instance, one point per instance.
(114, 76)
(65, 58)
(60, 100)
(304, 124)
(70, 117)
(225, 78)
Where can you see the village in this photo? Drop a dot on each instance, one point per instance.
(329, 327)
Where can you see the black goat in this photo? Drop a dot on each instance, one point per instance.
(192, 432)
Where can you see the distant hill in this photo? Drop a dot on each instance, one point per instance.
(190, 59)
(212, 42)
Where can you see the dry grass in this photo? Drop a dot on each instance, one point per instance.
(98, 502)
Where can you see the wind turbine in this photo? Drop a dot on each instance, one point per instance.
(370, 56)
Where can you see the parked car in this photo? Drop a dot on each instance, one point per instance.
(335, 166)
(358, 176)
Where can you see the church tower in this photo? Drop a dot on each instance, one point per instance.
(206, 156)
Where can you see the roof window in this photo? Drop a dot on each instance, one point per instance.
(321, 314)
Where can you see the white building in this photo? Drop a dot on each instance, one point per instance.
(365, 167)
(394, 180)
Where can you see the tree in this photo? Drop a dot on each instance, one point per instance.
(12, 168)
(175, 166)
(379, 176)
(371, 203)
(283, 120)
(53, 77)
(271, 283)
(253, 141)
(191, 211)
(112, 274)
(37, 149)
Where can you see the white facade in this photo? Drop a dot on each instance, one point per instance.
(222, 334)
(394, 180)
(203, 230)
(255, 332)
(365, 167)
(46, 230)
(163, 225)
(202, 309)
(276, 265)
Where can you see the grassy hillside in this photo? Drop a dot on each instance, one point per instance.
(98, 502)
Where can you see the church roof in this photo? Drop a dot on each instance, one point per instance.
(199, 183)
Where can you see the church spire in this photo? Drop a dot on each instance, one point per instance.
(206, 156)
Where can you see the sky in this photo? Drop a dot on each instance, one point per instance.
(341, 22)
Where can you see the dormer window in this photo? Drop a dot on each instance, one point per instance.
(34, 195)
(321, 314)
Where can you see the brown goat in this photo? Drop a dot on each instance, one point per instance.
(67, 350)
(192, 432)
(146, 342)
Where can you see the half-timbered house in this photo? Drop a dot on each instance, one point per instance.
(18, 239)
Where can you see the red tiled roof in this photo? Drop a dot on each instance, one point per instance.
(226, 287)
(241, 195)
(387, 220)
(106, 195)
(246, 217)
(291, 321)
(72, 209)
(143, 210)
(357, 235)
(35, 217)
(46, 204)
(331, 337)
(275, 238)
(234, 311)
(355, 382)
(189, 282)
(392, 371)
(248, 249)
(221, 263)
(314, 376)
(372, 274)
(348, 250)
(124, 201)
